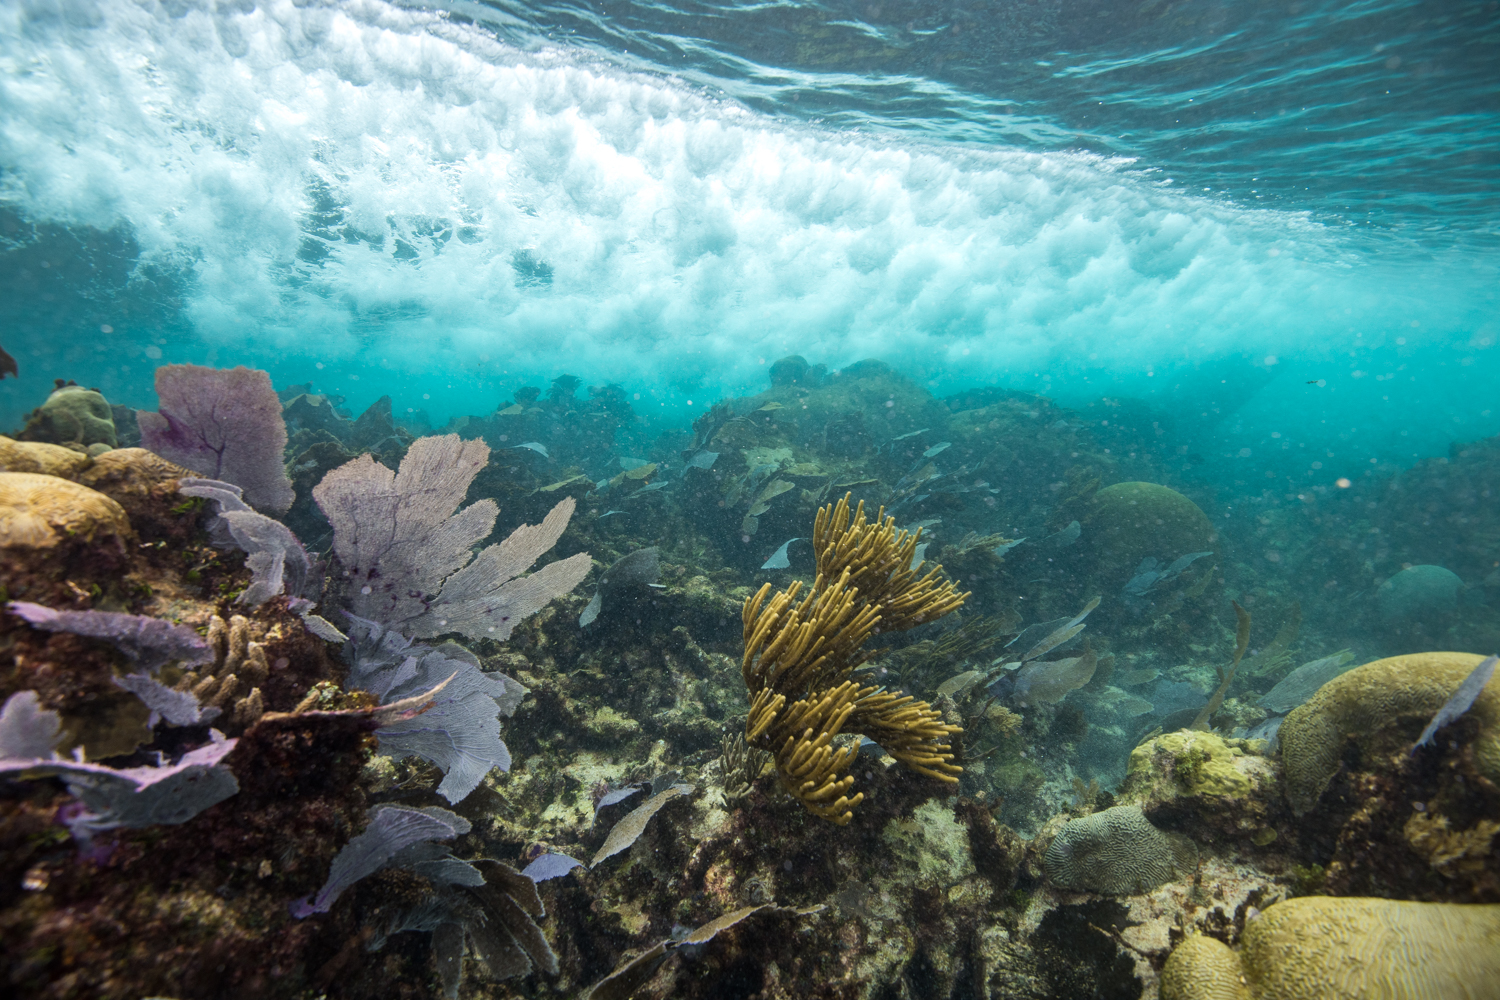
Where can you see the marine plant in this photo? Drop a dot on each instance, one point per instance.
(800, 658)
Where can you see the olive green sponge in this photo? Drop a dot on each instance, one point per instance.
(1382, 705)
(1331, 948)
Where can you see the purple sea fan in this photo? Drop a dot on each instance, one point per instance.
(406, 549)
(392, 829)
(132, 797)
(148, 642)
(224, 423)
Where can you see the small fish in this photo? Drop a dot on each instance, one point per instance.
(910, 434)
(703, 460)
(535, 446)
(1316, 381)
(609, 512)
(941, 446)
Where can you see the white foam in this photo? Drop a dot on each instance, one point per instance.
(690, 242)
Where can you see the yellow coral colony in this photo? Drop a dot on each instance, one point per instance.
(38, 511)
(800, 655)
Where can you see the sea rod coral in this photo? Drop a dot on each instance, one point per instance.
(800, 656)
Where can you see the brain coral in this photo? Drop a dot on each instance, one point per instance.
(1115, 852)
(37, 511)
(1381, 705)
(1330, 948)
(1203, 968)
(35, 456)
(1419, 590)
(130, 471)
(1127, 522)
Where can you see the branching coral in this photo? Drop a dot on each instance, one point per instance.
(231, 682)
(800, 656)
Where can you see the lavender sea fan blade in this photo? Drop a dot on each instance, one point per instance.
(460, 734)
(128, 797)
(275, 557)
(177, 708)
(27, 730)
(486, 598)
(148, 642)
(392, 829)
(396, 534)
(495, 613)
(224, 423)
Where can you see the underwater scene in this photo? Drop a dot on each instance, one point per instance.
(749, 499)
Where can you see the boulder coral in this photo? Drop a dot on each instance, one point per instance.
(1327, 948)
(73, 415)
(1127, 522)
(38, 511)
(1381, 706)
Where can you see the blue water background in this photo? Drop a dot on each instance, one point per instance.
(1275, 225)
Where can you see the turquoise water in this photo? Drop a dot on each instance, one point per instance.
(1188, 205)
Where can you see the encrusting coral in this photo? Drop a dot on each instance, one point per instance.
(799, 657)
(1325, 948)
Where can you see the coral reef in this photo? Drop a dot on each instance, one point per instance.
(1021, 804)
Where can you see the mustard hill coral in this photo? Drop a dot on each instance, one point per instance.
(38, 511)
(1381, 705)
(799, 657)
(1325, 948)
(1194, 763)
